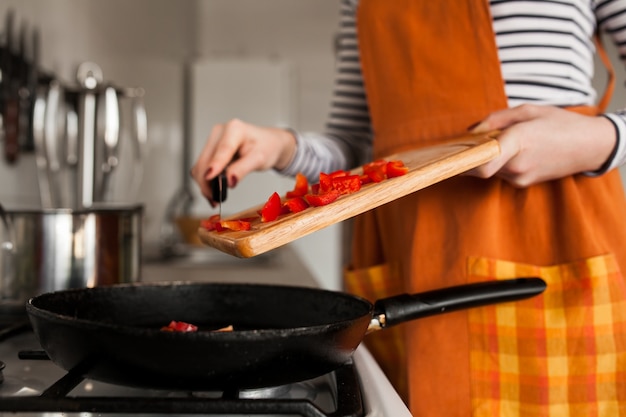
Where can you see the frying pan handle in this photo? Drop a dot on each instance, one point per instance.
(405, 307)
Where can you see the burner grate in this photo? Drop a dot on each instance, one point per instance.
(55, 399)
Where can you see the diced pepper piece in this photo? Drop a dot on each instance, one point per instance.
(271, 209)
(317, 200)
(209, 224)
(325, 184)
(214, 223)
(346, 184)
(296, 204)
(396, 169)
(365, 179)
(300, 188)
(235, 225)
(179, 326)
(376, 170)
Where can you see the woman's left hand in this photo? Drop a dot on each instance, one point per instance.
(541, 143)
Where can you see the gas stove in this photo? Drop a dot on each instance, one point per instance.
(34, 386)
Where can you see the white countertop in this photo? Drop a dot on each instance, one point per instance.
(279, 267)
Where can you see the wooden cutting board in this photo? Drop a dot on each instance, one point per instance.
(427, 166)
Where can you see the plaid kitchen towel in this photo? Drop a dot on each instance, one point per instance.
(559, 354)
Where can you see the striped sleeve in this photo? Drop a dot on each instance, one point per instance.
(547, 58)
(347, 140)
(611, 16)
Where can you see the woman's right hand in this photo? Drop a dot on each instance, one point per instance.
(241, 148)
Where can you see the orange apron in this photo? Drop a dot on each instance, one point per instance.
(431, 70)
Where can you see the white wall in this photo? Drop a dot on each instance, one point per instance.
(138, 43)
(300, 33)
(146, 43)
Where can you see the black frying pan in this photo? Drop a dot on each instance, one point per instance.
(282, 334)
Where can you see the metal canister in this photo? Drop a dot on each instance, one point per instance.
(56, 249)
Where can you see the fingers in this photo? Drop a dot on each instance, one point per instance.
(222, 145)
(240, 148)
(503, 119)
(541, 143)
(509, 140)
(201, 171)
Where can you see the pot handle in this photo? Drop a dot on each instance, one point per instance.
(405, 307)
(7, 254)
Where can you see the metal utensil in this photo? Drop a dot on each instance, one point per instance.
(71, 148)
(111, 135)
(140, 135)
(39, 139)
(89, 76)
(54, 130)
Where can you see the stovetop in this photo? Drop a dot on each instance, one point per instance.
(34, 386)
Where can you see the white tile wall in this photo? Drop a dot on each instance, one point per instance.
(146, 42)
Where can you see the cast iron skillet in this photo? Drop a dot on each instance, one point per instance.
(282, 334)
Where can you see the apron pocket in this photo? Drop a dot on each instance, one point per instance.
(562, 353)
(387, 347)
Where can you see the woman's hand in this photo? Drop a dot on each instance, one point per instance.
(243, 148)
(541, 143)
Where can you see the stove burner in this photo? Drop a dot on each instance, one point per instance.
(336, 394)
(348, 402)
(271, 392)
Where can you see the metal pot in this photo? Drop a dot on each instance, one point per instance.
(55, 249)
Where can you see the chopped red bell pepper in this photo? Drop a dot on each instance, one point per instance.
(376, 170)
(325, 184)
(271, 209)
(209, 224)
(317, 200)
(396, 169)
(346, 184)
(235, 225)
(296, 204)
(214, 223)
(365, 179)
(300, 188)
(179, 326)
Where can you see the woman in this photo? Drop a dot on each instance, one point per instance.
(415, 72)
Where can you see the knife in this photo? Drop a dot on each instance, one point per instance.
(219, 189)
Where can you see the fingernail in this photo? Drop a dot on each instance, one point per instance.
(232, 182)
(207, 173)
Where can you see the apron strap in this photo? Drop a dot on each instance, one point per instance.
(603, 103)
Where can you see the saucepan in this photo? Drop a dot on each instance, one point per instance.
(281, 334)
(45, 250)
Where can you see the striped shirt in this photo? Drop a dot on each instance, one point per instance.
(546, 51)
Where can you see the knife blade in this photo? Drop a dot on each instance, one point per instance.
(219, 190)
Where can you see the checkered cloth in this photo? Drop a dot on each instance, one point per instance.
(559, 354)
